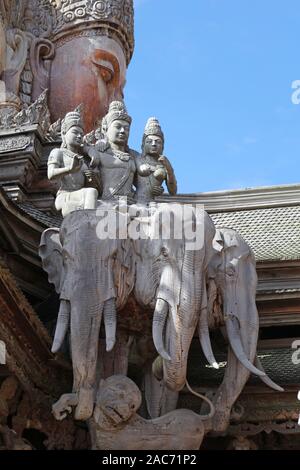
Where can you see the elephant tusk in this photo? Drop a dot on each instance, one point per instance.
(269, 382)
(62, 325)
(203, 330)
(235, 341)
(204, 338)
(110, 323)
(159, 320)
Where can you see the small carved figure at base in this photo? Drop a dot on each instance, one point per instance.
(115, 424)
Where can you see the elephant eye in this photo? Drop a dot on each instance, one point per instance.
(230, 272)
(164, 251)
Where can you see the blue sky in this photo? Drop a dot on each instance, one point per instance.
(218, 75)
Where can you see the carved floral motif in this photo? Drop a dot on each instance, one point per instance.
(9, 144)
(37, 113)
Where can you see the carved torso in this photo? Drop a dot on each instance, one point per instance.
(117, 173)
(72, 182)
(146, 185)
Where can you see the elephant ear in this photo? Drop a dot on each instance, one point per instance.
(50, 251)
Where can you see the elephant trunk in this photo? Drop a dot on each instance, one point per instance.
(183, 320)
(241, 329)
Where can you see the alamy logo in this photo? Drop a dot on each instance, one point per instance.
(158, 222)
(2, 353)
(296, 354)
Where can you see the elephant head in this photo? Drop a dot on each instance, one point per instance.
(171, 279)
(89, 274)
(232, 283)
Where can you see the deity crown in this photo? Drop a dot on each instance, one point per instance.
(153, 128)
(72, 119)
(117, 111)
(56, 19)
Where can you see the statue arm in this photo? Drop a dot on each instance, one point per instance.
(94, 152)
(171, 178)
(93, 155)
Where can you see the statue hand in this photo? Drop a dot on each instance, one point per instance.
(75, 165)
(64, 405)
(93, 180)
(162, 159)
(89, 175)
(157, 191)
(160, 174)
(165, 162)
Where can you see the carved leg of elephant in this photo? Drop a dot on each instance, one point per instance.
(85, 329)
(182, 321)
(236, 374)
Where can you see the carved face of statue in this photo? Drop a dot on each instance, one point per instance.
(153, 145)
(74, 137)
(118, 401)
(89, 70)
(118, 132)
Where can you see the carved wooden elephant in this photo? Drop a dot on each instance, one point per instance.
(226, 301)
(171, 278)
(232, 284)
(95, 278)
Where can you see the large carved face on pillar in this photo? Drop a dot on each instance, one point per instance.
(89, 70)
(83, 56)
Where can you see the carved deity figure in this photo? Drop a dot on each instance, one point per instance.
(67, 165)
(51, 44)
(113, 157)
(153, 168)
